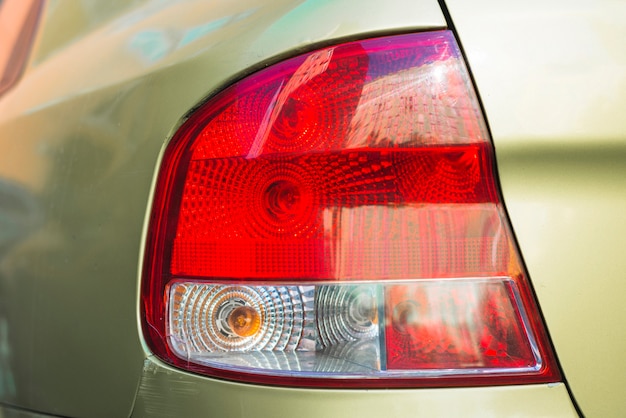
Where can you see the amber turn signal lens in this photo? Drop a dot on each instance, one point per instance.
(244, 321)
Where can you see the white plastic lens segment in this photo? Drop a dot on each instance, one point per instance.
(299, 327)
(202, 315)
(357, 330)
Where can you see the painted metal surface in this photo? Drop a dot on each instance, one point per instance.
(9, 412)
(552, 77)
(189, 396)
(80, 137)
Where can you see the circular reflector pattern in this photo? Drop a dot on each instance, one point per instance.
(235, 318)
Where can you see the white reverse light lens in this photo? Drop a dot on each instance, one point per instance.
(308, 328)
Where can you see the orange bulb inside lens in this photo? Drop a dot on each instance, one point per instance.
(244, 321)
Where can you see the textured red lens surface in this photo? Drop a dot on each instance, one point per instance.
(333, 220)
(444, 324)
(272, 217)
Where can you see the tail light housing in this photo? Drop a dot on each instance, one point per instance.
(334, 220)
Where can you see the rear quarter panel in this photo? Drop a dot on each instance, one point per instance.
(552, 78)
(80, 138)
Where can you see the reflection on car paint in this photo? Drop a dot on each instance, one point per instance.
(7, 381)
(20, 215)
(155, 44)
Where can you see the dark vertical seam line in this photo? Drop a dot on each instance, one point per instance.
(451, 27)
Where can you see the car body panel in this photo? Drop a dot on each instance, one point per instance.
(189, 395)
(108, 83)
(80, 137)
(9, 412)
(552, 78)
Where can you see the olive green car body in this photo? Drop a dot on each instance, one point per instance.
(107, 84)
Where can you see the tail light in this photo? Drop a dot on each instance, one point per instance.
(333, 220)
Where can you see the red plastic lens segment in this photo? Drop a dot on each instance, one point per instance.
(333, 220)
(442, 324)
(282, 216)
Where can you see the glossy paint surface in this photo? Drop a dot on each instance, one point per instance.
(108, 83)
(194, 396)
(80, 138)
(552, 78)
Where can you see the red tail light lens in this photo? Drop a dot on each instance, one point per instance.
(333, 220)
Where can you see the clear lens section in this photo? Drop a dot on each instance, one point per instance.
(346, 313)
(449, 327)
